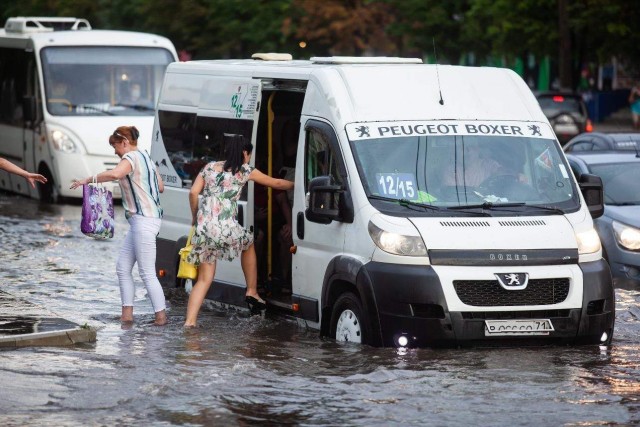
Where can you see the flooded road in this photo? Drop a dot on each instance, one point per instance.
(236, 370)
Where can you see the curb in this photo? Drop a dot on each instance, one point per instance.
(52, 338)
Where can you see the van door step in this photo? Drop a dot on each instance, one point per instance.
(281, 303)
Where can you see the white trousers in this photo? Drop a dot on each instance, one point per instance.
(140, 246)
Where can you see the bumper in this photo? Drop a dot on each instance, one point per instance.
(410, 301)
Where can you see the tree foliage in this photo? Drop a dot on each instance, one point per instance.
(598, 29)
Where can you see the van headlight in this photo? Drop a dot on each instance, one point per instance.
(627, 236)
(62, 142)
(588, 241)
(397, 244)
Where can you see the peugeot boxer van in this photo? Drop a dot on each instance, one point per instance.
(433, 205)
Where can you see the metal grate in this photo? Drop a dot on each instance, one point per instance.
(465, 224)
(521, 223)
(489, 293)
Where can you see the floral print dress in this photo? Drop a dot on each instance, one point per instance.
(218, 235)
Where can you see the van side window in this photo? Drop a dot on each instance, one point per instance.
(13, 84)
(321, 160)
(177, 134)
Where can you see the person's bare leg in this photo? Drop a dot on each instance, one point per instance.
(127, 313)
(161, 318)
(199, 292)
(250, 270)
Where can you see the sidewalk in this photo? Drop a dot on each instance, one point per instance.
(23, 324)
(620, 121)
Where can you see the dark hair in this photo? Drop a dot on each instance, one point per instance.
(234, 146)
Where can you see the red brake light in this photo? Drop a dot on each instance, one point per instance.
(558, 98)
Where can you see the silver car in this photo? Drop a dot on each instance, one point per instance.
(619, 227)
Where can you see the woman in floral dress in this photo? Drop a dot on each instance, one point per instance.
(218, 234)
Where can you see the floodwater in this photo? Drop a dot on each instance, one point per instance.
(237, 370)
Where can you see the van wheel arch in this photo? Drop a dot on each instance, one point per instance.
(348, 275)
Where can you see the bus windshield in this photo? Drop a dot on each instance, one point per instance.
(102, 80)
(451, 173)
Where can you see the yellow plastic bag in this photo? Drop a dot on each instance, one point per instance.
(186, 270)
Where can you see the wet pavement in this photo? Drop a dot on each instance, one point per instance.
(237, 370)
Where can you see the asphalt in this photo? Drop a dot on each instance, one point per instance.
(23, 324)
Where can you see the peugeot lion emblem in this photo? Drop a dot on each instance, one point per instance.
(513, 281)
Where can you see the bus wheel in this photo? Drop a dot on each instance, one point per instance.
(48, 191)
(348, 320)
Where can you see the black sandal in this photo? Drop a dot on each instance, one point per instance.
(255, 305)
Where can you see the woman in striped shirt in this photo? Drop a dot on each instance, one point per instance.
(141, 186)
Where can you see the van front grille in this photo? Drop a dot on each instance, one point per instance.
(489, 293)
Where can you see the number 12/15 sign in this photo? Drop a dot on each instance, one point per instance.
(397, 185)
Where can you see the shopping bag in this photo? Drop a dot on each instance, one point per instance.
(186, 270)
(97, 211)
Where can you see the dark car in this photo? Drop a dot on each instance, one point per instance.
(600, 141)
(619, 227)
(566, 112)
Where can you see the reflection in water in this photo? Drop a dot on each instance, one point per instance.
(237, 370)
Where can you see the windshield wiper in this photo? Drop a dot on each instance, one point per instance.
(548, 209)
(491, 206)
(92, 108)
(405, 203)
(486, 205)
(624, 204)
(136, 107)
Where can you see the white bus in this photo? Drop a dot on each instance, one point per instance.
(64, 88)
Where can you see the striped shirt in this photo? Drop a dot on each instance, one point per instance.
(140, 193)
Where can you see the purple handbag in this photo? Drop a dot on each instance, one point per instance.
(97, 211)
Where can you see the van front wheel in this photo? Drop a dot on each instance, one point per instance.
(349, 322)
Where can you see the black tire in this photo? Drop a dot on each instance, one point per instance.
(349, 322)
(48, 191)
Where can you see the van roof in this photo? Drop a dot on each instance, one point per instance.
(374, 91)
(88, 38)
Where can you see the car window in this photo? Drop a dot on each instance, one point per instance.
(561, 103)
(620, 181)
(582, 146)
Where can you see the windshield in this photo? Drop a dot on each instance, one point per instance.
(94, 81)
(455, 172)
(621, 182)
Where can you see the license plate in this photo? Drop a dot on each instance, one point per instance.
(494, 328)
(116, 191)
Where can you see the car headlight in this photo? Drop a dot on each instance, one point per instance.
(627, 236)
(397, 244)
(588, 242)
(62, 142)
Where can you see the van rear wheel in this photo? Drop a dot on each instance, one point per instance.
(349, 322)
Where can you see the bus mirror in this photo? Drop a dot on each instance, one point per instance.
(593, 193)
(29, 108)
(323, 200)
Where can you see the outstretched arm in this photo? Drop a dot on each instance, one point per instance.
(31, 177)
(267, 181)
(120, 171)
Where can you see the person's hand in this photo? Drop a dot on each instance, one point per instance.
(78, 182)
(33, 177)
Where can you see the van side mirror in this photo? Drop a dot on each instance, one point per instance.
(323, 200)
(29, 108)
(593, 193)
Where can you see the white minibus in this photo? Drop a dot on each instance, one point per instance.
(433, 205)
(64, 88)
